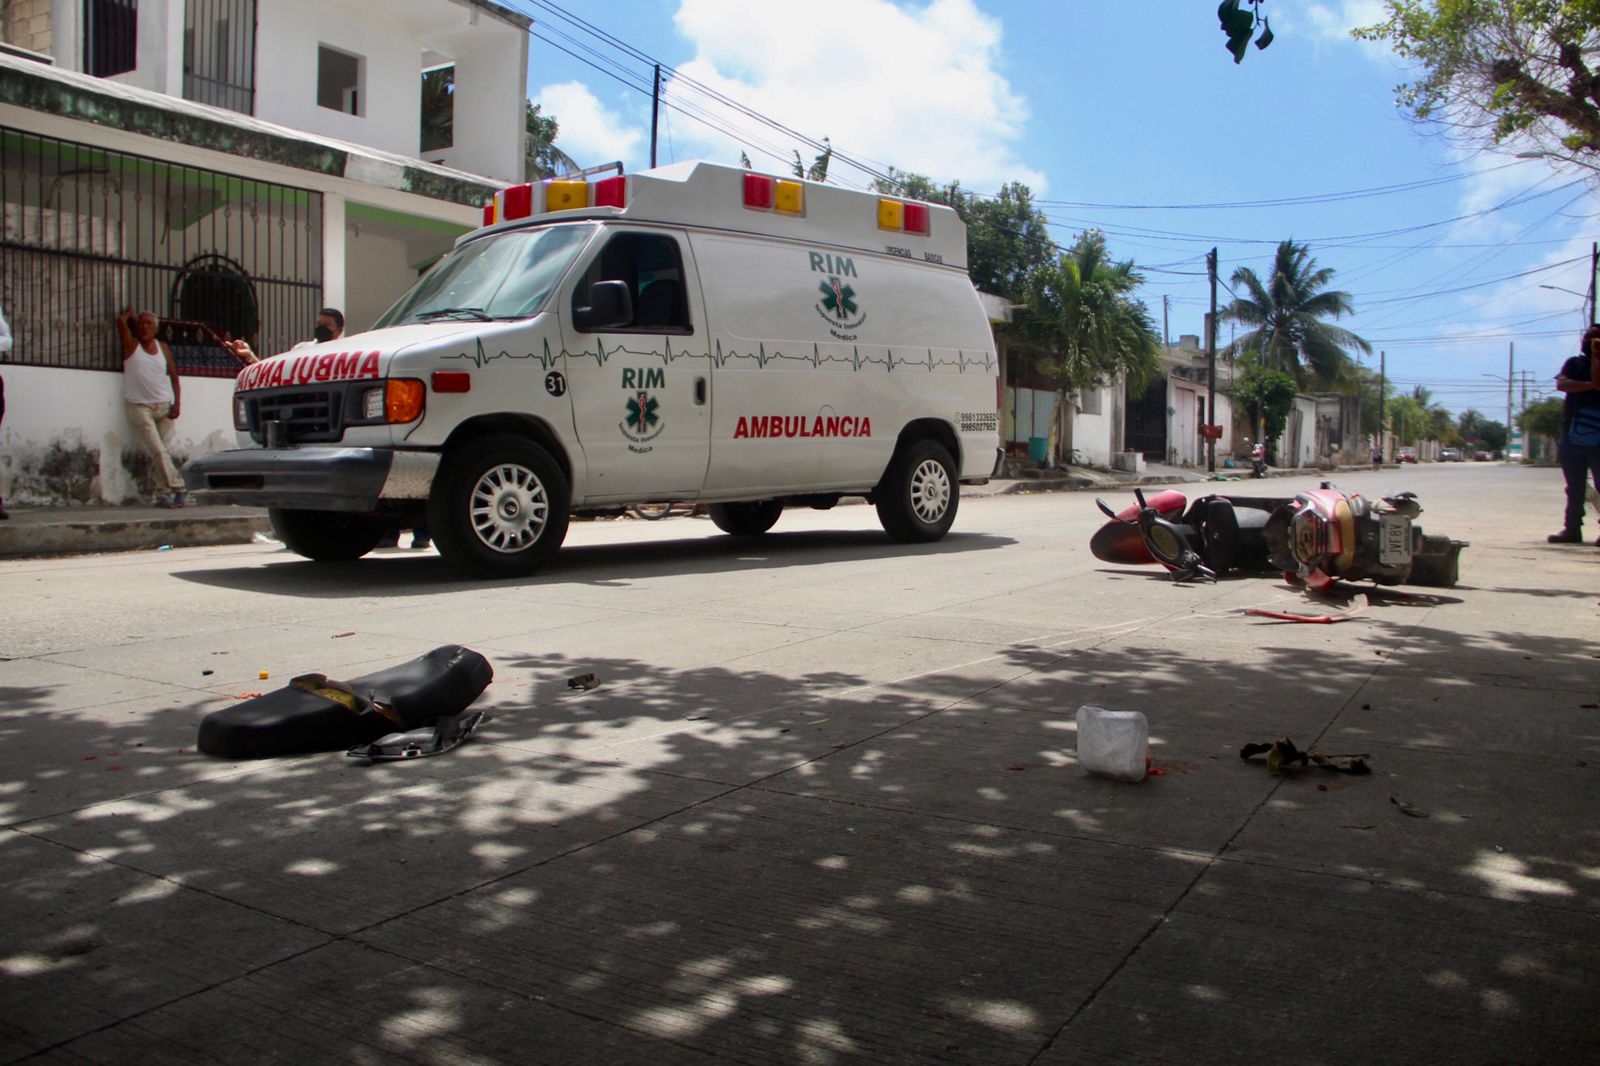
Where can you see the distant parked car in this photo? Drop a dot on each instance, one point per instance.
(1483, 456)
(1406, 455)
(1450, 455)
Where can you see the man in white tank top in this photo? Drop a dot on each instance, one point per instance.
(151, 394)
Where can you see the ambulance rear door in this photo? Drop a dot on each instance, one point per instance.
(640, 390)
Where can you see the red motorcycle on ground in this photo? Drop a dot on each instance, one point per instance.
(1313, 538)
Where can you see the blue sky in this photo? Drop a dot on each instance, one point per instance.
(1128, 117)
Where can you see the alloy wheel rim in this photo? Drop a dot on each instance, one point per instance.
(930, 491)
(508, 508)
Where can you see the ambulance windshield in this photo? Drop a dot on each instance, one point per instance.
(504, 275)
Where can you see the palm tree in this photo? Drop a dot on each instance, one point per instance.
(1083, 324)
(1287, 318)
(542, 158)
(1081, 314)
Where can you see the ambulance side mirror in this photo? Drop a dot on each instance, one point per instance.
(610, 305)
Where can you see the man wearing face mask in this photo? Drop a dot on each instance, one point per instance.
(329, 327)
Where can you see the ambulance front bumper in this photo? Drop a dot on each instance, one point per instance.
(312, 479)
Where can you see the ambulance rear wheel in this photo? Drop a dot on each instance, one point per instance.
(499, 507)
(326, 536)
(745, 519)
(919, 493)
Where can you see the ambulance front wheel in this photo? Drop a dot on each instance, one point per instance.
(745, 519)
(499, 507)
(918, 495)
(326, 536)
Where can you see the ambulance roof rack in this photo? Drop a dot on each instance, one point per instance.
(709, 195)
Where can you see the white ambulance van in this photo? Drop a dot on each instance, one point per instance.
(688, 333)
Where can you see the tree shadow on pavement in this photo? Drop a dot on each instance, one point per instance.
(711, 864)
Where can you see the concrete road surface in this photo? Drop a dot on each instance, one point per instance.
(823, 808)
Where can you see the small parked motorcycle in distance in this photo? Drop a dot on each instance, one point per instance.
(1258, 458)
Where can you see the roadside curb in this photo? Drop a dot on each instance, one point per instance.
(77, 530)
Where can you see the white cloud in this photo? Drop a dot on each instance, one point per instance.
(589, 131)
(917, 87)
(1333, 22)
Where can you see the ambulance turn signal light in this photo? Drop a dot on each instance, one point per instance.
(402, 400)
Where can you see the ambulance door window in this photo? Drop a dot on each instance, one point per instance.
(652, 267)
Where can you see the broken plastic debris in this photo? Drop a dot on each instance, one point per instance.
(1407, 809)
(583, 682)
(446, 733)
(1282, 755)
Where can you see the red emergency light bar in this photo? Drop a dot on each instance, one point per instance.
(764, 193)
(524, 201)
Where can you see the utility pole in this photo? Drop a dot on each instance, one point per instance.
(1594, 271)
(1211, 363)
(1381, 434)
(655, 114)
(1511, 375)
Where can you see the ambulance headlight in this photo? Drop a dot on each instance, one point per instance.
(241, 414)
(372, 404)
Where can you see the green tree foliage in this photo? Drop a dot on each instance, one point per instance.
(438, 108)
(1542, 419)
(1239, 24)
(1285, 314)
(817, 171)
(1008, 238)
(1436, 423)
(1267, 395)
(1493, 70)
(1366, 381)
(1082, 323)
(543, 159)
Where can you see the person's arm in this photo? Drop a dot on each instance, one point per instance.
(172, 373)
(125, 331)
(241, 351)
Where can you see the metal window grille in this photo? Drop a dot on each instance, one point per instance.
(110, 36)
(219, 53)
(87, 232)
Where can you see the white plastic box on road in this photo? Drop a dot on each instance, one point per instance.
(1113, 744)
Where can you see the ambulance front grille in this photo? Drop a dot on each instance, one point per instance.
(308, 416)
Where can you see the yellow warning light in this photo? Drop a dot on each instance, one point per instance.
(562, 195)
(790, 197)
(891, 214)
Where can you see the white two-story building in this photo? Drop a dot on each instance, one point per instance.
(231, 165)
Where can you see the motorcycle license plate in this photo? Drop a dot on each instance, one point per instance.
(1394, 540)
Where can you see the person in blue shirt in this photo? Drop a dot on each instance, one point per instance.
(1579, 447)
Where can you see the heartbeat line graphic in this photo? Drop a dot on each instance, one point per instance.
(545, 359)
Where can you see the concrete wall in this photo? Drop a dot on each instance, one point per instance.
(491, 60)
(66, 439)
(380, 271)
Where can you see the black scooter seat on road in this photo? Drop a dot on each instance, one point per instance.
(293, 721)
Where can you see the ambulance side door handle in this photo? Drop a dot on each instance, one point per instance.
(700, 391)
